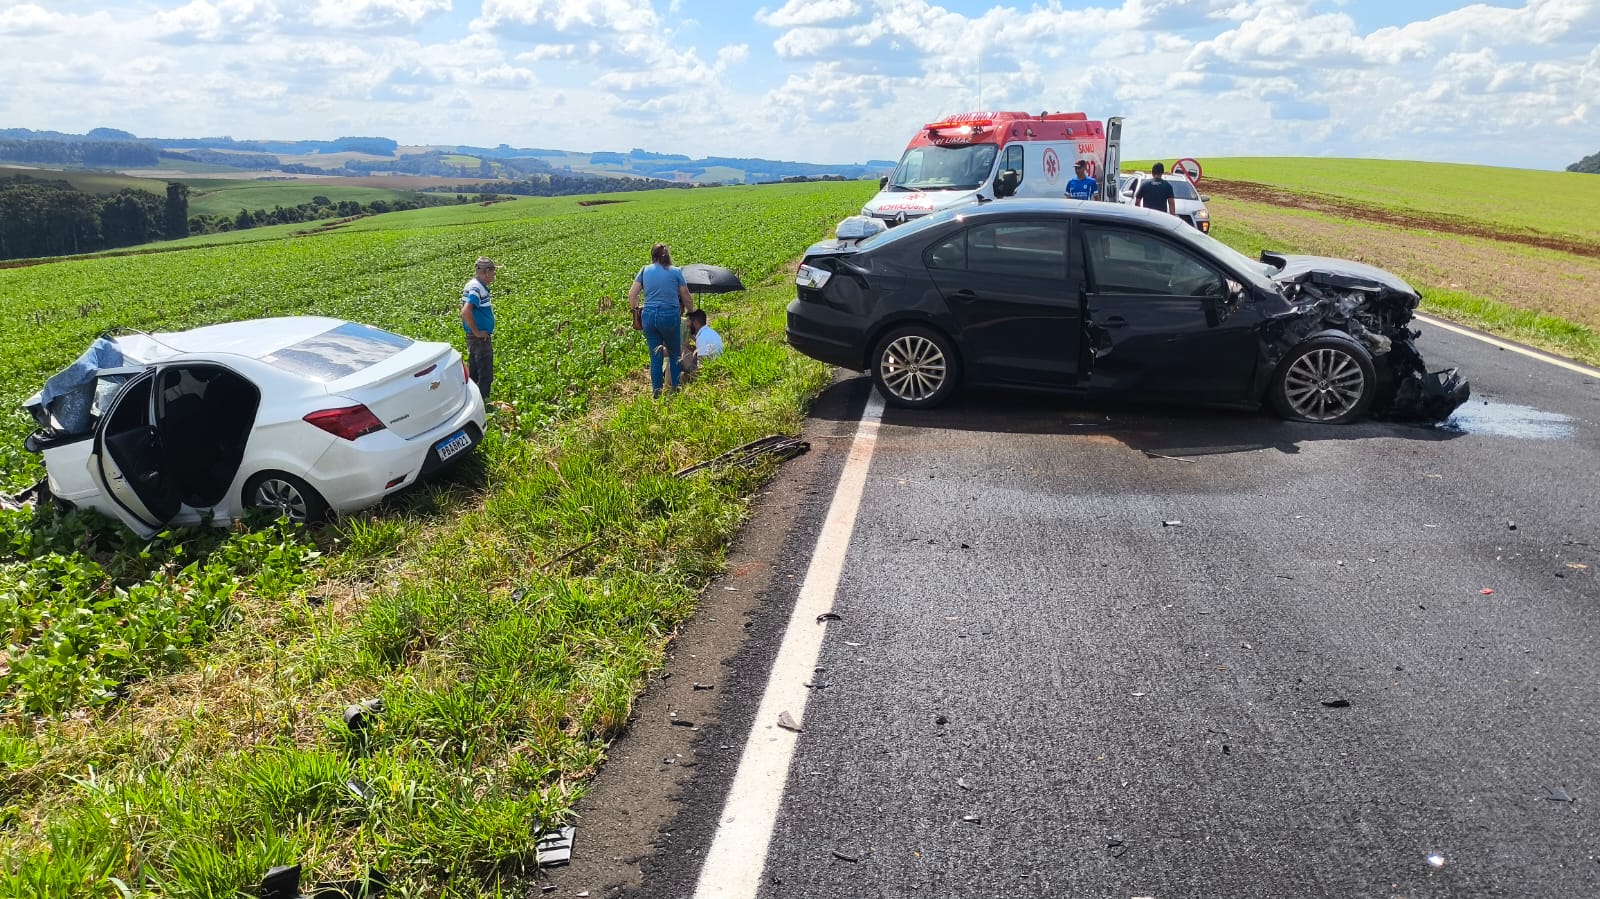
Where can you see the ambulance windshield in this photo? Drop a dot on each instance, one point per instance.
(943, 168)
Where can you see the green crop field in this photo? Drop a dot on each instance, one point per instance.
(1517, 199)
(170, 709)
(224, 196)
(90, 182)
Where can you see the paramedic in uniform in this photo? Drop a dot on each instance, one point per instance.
(1082, 186)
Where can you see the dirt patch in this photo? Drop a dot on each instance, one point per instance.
(1261, 193)
(1498, 269)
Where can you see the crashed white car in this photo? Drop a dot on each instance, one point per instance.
(292, 416)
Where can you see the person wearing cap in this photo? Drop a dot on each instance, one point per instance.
(1155, 193)
(666, 298)
(477, 319)
(1082, 186)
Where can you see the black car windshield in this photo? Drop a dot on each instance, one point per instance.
(1258, 273)
(1182, 189)
(943, 168)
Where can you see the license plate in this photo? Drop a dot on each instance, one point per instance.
(453, 444)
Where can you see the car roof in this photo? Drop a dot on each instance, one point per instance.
(1084, 209)
(252, 338)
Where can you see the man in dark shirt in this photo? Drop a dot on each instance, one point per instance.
(1155, 193)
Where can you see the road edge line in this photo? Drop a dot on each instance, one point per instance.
(1504, 345)
(738, 853)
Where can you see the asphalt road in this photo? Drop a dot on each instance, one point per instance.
(1268, 666)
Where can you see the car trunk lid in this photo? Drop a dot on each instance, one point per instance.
(412, 392)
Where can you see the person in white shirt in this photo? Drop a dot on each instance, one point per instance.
(707, 343)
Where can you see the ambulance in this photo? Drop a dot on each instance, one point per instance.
(979, 156)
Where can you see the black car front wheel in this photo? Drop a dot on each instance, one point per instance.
(915, 367)
(1324, 380)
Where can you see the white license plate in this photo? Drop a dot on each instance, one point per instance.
(453, 444)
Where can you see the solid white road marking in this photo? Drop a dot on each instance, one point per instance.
(738, 852)
(1532, 354)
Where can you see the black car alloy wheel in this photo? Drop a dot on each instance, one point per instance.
(1326, 380)
(915, 367)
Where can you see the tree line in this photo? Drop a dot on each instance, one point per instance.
(53, 218)
(1589, 164)
(85, 152)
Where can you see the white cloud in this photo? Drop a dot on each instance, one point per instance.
(565, 16)
(371, 15)
(808, 12)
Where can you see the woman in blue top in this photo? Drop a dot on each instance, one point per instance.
(666, 298)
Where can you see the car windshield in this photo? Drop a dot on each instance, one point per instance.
(943, 168)
(337, 353)
(1257, 271)
(1182, 189)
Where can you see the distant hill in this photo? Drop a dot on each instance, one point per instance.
(363, 156)
(1589, 164)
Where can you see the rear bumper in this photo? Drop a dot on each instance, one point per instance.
(825, 334)
(356, 474)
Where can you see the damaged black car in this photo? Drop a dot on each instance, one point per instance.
(1107, 299)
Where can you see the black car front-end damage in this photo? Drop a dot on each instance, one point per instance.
(1374, 307)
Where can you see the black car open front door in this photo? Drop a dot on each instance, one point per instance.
(1017, 317)
(1161, 320)
(129, 461)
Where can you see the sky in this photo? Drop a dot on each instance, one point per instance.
(827, 81)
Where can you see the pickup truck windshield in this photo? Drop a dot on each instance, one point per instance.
(943, 168)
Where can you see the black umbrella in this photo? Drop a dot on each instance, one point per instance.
(704, 278)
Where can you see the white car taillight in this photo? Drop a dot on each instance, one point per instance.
(349, 422)
(811, 276)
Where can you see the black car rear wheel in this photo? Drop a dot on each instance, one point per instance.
(1325, 380)
(915, 367)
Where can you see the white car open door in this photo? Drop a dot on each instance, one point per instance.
(1108, 184)
(129, 463)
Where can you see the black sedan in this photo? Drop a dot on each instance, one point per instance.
(1098, 297)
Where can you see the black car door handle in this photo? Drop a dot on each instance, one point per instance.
(965, 295)
(1115, 321)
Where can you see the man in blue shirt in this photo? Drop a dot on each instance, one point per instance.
(1082, 186)
(477, 319)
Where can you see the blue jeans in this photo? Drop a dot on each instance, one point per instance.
(663, 333)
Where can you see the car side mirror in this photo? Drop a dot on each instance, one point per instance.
(1205, 198)
(883, 181)
(1005, 184)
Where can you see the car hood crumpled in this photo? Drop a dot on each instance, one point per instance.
(1374, 307)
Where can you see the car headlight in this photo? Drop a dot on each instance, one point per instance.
(811, 276)
(866, 210)
(1202, 216)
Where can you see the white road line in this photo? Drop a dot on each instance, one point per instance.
(1531, 354)
(738, 853)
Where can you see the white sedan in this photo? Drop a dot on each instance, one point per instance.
(297, 416)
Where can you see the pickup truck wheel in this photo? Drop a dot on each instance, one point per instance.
(1325, 380)
(915, 367)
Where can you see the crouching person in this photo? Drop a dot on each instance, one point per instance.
(707, 344)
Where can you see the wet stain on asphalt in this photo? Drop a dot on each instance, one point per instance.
(1492, 419)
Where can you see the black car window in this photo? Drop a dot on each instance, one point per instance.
(1140, 263)
(1025, 249)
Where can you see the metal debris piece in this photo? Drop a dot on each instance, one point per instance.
(1172, 524)
(1557, 794)
(1336, 703)
(829, 616)
(780, 446)
(554, 848)
(1170, 458)
(962, 783)
(1435, 860)
(1511, 525)
(358, 716)
(847, 855)
(972, 819)
(786, 721)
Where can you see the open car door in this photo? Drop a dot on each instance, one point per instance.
(1113, 167)
(129, 460)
